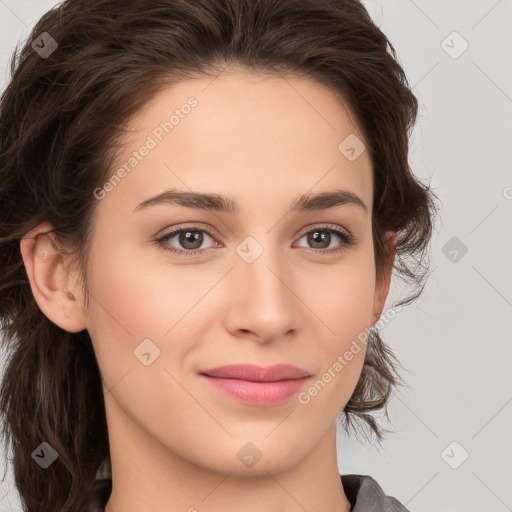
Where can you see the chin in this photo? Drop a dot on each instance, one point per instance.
(248, 460)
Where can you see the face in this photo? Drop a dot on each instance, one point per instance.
(261, 283)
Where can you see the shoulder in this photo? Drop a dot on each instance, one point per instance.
(366, 495)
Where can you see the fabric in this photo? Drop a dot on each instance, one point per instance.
(362, 491)
(366, 495)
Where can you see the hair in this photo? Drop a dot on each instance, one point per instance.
(62, 123)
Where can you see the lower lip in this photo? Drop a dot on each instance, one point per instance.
(258, 393)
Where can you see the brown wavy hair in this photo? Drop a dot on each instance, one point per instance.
(62, 123)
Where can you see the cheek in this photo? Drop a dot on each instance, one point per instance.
(343, 296)
(133, 297)
(133, 300)
(345, 308)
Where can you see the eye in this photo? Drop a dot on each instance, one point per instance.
(191, 239)
(321, 237)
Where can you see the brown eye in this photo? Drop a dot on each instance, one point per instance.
(187, 241)
(319, 239)
(190, 239)
(322, 238)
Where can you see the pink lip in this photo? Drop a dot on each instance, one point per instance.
(257, 385)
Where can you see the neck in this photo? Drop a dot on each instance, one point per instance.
(148, 476)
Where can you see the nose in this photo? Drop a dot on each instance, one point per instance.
(262, 303)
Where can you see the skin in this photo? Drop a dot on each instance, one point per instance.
(174, 439)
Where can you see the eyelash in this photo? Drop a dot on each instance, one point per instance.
(346, 238)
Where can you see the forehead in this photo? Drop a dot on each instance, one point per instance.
(242, 134)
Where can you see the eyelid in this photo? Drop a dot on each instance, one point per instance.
(326, 227)
(191, 227)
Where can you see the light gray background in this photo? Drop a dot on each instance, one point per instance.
(456, 340)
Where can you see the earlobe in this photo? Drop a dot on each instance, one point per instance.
(50, 280)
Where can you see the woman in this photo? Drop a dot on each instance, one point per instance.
(202, 203)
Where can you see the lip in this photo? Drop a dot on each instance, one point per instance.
(257, 385)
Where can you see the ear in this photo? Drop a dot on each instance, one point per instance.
(54, 287)
(383, 281)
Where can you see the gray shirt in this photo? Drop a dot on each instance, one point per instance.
(366, 495)
(362, 491)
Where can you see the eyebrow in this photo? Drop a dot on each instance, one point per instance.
(216, 202)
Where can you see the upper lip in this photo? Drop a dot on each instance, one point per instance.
(256, 373)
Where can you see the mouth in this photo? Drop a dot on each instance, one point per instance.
(257, 385)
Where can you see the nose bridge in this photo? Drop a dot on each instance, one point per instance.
(263, 265)
(264, 292)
